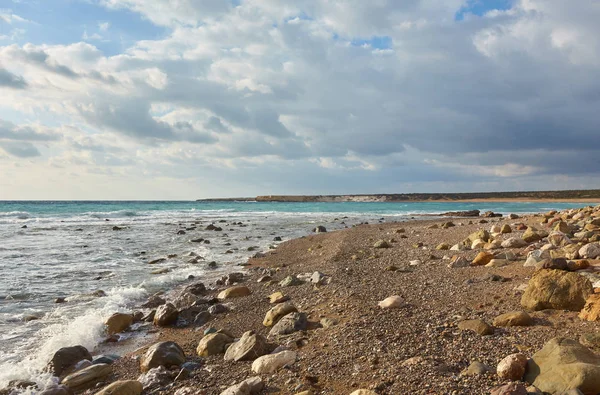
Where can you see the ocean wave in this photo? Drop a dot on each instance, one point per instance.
(15, 214)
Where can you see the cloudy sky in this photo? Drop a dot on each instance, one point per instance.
(183, 99)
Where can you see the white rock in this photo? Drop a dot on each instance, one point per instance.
(590, 251)
(391, 302)
(250, 386)
(536, 256)
(495, 229)
(478, 243)
(416, 262)
(459, 247)
(273, 362)
(514, 242)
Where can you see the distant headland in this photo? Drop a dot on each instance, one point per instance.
(585, 196)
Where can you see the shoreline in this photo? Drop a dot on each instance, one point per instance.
(359, 277)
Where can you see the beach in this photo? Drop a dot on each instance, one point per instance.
(348, 341)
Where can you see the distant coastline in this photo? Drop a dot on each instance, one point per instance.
(577, 196)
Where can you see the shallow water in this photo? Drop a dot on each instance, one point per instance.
(69, 249)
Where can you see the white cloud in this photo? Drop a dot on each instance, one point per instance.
(103, 26)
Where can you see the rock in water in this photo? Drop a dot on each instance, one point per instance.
(564, 364)
(129, 387)
(512, 367)
(556, 289)
(248, 348)
(118, 322)
(165, 354)
(166, 315)
(213, 344)
(87, 377)
(250, 386)
(391, 302)
(67, 357)
(268, 364)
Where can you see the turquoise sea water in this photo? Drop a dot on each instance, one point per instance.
(69, 249)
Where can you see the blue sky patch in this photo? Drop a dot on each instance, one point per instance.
(481, 7)
(376, 42)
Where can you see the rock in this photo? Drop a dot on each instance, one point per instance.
(217, 309)
(56, 390)
(277, 312)
(558, 239)
(443, 247)
(202, 318)
(213, 344)
(510, 389)
(87, 377)
(129, 387)
(506, 229)
(477, 326)
(320, 229)
(251, 386)
(66, 358)
(155, 378)
(290, 323)
(514, 318)
(591, 340)
(469, 213)
(497, 263)
(165, 354)
(556, 289)
(483, 258)
(381, 244)
(564, 364)
(536, 256)
(553, 263)
(513, 216)
(505, 255)
(477, 244)
(459, 247)
(234, 292)
(365, 392)
(197, 288)
(165, 315)
(513, 242)
(278, 297)
(532, 235)
(290, 281)
(391, 302)
(317, 278)
(328, 322)
(118, 322)
(590, 251)
(107, 359)
(475, 369)
(458, 261)
(591, 310)
(480, 234)
(154, 301)
(248, 348)
(493, 245)
(512, 367)
(268, 364)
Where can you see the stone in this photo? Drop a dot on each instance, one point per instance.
(250, 386)
(564, 364)
(506, 229)
(363, 392)
(513, 216)
(478, 326)
(477, 244)
(56, 390)
(513, 242)
(278, 297)
(317, 278)
(556, 289)
(590, 251)
(532, 235)
(493, 245)
(553, 263)
(202, 318)
(218, 309)
(290, 281)
(497, 263)
(197, 288)
(277, 312)
(118, 322)
(382, 244)
(458, 261)
(459, 247)
(512, 367)
(165, 354)
(165, 315)
(558, 239)
(268, 364)
(289, 323)
(320, 229)
(154, 378)
(66, 357)
(128, 387)
(480, 234)
(536, 256)
(234, 292)
(443, 247)
(87, 377)
(510, 389)
(391, 302)
(475, 369)
(328, 322)
(153, 302)
(483, 258)
(213, 344)
(513, 318)
(591, 310)
(248, 348)
(105, 358)
(505, 255)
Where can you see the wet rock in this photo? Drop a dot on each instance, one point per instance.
(290, 323)
(277, 312)
(66, 358)
(514, 318)
(268, 364)
(251, 386)
(320, 229)
(56, 390)
(564, 364)
(165, 354)
(512, 367)
(478, 326)
(107, 359)
(248, 348)
(155, 261)
(118, 322)
(128, 387)
(213, 344)
(392, 302)
(87, 377)
(234, 292)
(60, 300)
(556, 289)
(166, 315)
(185, 300)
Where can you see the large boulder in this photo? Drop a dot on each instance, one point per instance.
(556, 289)
(591, 310)
(562, 365)
(87, 377)
(166, 315)
(128, 387)
(268, 364)
(213, 344)
(118, 322)
(250, 346)
(67, 357)
(165, 354)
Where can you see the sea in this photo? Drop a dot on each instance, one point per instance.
(75, 249)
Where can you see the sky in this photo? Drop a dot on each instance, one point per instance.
(186, 99)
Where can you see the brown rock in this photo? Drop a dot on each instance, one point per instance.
(512, 367)
(277, 312)
(248, 348)
(165, 354)
(556, 289)
(67, 357)
(165, 315)
(128, 387)
(213, 344)
(510, 389)
(483, 258)
(478, 326)
(87, 377)
(591, 310)
(234, 292)
(118, 322)
(514, 318)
